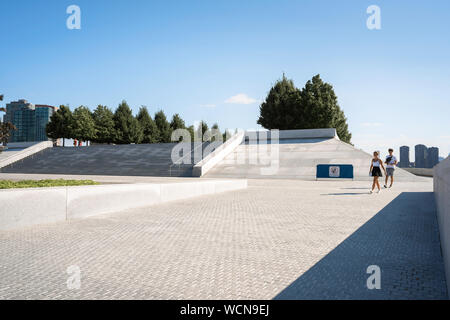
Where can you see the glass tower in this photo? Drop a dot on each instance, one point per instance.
(30, 120)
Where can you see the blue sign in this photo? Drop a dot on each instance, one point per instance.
(342, 171)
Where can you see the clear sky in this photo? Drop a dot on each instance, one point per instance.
(216, 60)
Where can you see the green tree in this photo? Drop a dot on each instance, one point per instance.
(320, 109)
(127, 127)
(226, 135)
(5, 132)
(177, 122)
(60, 124)
(191, 130)
(83, 128)
(163, 126)
(278, 111)
(149, 129)
(104, 125)
(216, 135)
(313, 107)
(203, 131)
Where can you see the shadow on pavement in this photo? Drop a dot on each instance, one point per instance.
(402, 239)
(344, 194)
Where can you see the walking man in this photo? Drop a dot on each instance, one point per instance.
(391, 162)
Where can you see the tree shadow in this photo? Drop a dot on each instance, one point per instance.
(402, 239)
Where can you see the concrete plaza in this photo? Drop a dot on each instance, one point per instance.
(282, 239)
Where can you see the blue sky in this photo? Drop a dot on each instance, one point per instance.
(192, 57)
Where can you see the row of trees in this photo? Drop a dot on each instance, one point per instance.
(119, 127)
(315, 106)
(5, 128)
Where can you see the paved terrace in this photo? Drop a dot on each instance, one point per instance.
(280, 239)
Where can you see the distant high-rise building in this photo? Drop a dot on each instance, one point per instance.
(43, 114)
(421, 156)
(30, 120)
(404, 157)
(432, 157)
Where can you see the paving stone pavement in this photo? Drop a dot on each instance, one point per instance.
(282, 239)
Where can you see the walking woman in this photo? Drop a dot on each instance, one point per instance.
(375, 171)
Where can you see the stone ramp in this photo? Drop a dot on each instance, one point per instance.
(19, 151)
(117, 160)
(298, 159)
(5, 154)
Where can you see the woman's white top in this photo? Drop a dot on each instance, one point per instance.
(376, 163)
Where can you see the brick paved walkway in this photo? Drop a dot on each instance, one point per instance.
(277, 239)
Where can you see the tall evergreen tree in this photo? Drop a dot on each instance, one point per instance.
(216, 135)
(104, 125)
(227, 134)
(313, 107)
(83, 128)
(163, 126)
(177, 122)
(203, 131)
(320, 109)
(191, 130)
(60, 124)
(278, 111)
(127, 127)
(149, 129)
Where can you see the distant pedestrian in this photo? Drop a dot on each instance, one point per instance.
(391, 162)
(375, 171)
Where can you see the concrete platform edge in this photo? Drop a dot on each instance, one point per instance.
(23, 208)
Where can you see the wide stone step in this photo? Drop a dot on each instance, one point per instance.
(134, 160)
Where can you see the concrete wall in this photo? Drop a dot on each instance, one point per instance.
(424, 172)
(28, 207)
(23, 144)
(442, 195)
(30, 150)
(217, 155)
(294, 134)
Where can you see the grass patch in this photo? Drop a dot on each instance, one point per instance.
(8, 184)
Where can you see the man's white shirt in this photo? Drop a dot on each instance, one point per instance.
(391, 163)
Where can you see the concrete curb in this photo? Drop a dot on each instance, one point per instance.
(422, 172)
(28, 207)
